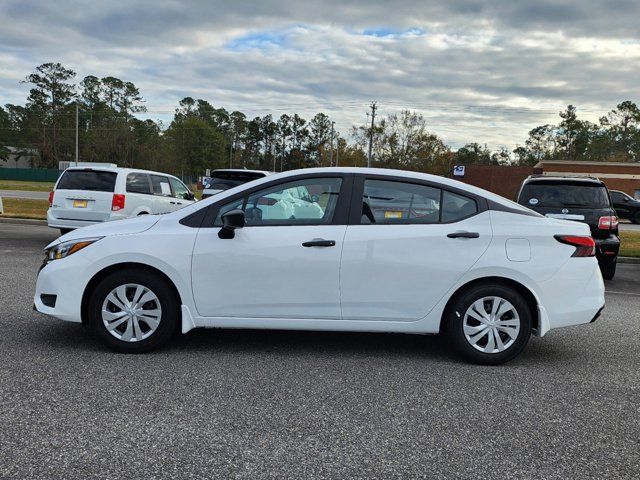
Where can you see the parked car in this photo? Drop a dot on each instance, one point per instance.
(225, 179)
(484, 271)
(86, 195)
(625, 206)
(580, 199)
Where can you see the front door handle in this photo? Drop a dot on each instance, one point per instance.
(463, 235)
(319, 242)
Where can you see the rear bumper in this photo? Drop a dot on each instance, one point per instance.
(54, 222)
(607, 248)
(574, 296)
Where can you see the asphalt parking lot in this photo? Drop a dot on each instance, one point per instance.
(256, 404)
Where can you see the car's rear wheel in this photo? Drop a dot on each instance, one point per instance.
(608, 268)
(488, 324)
(636, 217)
(133, 311)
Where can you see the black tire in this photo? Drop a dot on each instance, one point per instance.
(636, 217)
(64, 231)
(453, 324)
(169, 303)
(608, 268)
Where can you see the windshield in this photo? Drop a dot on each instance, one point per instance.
(542, 194)
(93, 180)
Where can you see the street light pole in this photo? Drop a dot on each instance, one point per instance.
(76, 132)
(373, 117)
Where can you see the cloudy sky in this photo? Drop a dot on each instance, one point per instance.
(479, 71)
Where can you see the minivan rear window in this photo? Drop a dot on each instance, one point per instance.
(548, 194)
(92, 180)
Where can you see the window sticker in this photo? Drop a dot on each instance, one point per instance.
(389, 214)
(165, 188)
(533, 201)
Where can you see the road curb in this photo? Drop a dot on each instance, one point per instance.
(635, 260)
(23, 221)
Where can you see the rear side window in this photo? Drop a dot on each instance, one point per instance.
(456, 207)
(138, 183)
(386, 202)
(92, 180)
(556, 194)
(160, 185)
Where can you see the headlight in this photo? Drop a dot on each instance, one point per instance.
(65, 249)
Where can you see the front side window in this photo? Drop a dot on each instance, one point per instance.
(179, 189)
(388, 202)
(302, 202)
(160, 185)
(138, 183)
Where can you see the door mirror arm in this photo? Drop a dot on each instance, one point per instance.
(230, 222)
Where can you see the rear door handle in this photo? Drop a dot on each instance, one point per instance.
(319, 242)
(463, 235)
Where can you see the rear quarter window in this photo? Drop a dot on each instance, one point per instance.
(91, 180)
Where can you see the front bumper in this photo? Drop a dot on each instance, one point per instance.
(65, 279)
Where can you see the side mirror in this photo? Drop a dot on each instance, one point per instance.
(230, 222)
(190, 196)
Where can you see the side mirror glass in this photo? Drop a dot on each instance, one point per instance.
(230, 222)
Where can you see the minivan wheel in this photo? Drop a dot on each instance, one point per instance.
(488, 324)
(608, 268)
(133, 311)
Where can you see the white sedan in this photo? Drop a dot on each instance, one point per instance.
(390, 251)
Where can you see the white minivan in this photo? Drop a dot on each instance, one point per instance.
(86, 195)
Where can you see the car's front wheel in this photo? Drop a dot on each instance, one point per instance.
(488, 324)
(636, 218)
(133, 311)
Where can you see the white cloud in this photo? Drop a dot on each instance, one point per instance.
(479, 72)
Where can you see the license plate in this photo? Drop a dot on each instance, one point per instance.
(79, 204)
(565, 216)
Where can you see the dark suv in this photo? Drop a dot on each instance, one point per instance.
(626, 206)
(582, 199)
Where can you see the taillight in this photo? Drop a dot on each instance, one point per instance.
(118, 202)
(51, 199)
(609, 222)
(585, 246)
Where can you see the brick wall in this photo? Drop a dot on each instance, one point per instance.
(504, 181)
